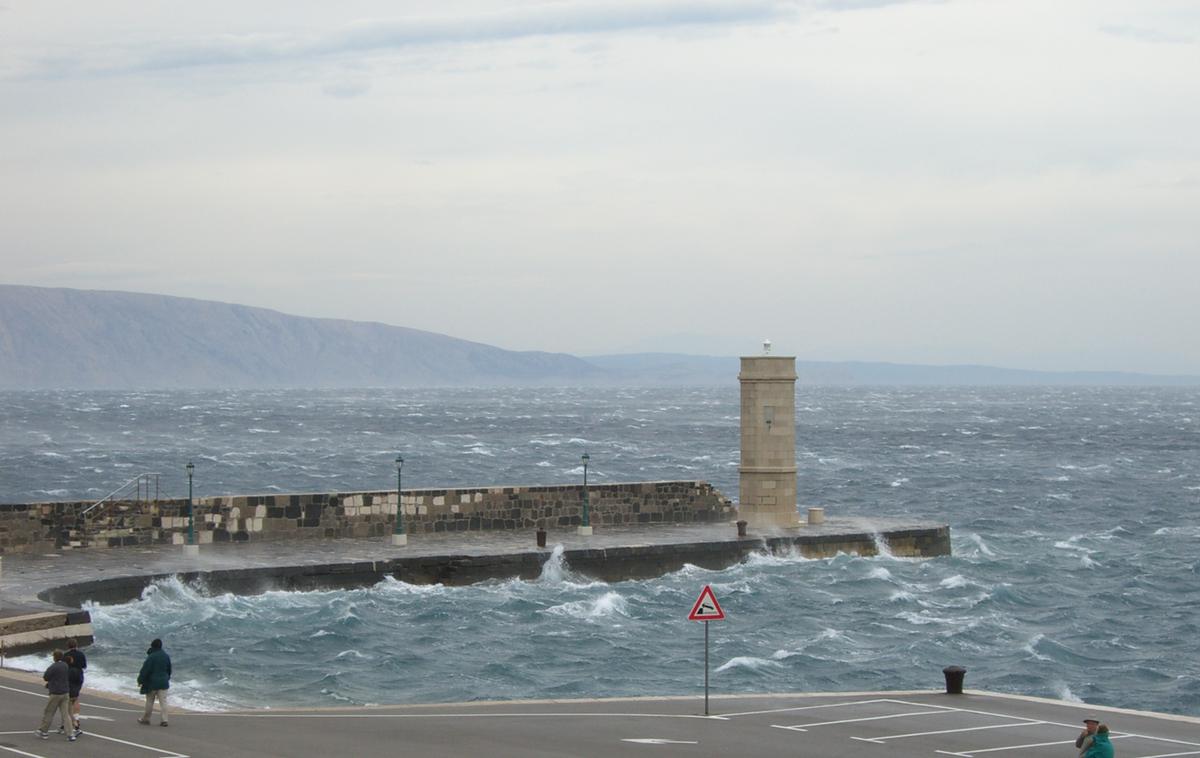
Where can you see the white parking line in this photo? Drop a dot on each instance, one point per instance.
(162, 752)
(814, 707)
(882, 740)
(21, 752)
(1170, 755)
(806, 727)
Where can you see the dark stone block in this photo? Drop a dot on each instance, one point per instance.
(292, 511)
(294, 500)
(460, 526)
(310, 522)
(241, 537)
(221, 535)
(276, 511)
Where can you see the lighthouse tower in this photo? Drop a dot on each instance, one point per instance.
(767, 491)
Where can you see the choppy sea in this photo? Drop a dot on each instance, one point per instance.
(1075, 515)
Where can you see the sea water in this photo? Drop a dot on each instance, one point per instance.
(1075, 515)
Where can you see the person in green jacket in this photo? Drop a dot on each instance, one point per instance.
(155, 680)
(1101, 746)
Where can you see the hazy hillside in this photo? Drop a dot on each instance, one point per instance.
(672, 369)
(82, 339)
(51, 338)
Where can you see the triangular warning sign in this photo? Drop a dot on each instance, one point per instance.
(706, 608)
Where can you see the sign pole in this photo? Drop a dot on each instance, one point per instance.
(706, 609)
(705, 668)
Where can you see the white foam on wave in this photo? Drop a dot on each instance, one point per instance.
(749, 662)
(789, 554)
(1031, 647)
(1064, 693)
(1182, 531)
(900, 482)
(609, 605)
(981, 547)
(879, 572)
(954, 582)
(351, 654)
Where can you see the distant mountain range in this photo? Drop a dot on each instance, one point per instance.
(53, 338)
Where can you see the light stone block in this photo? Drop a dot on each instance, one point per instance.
(439, 500)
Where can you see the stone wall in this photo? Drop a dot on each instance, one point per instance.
(42, 526)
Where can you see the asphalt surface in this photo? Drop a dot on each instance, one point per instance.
(893, 724)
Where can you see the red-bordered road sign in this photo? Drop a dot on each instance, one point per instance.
(706, 608)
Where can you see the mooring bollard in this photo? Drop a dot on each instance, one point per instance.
(741, 525)
(954, 679)
(541, 537)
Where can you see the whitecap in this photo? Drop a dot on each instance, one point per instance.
(748, 662)
(606, 606)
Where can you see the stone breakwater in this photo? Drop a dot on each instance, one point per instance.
(31, 527)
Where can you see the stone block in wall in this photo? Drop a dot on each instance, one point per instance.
(260, 511)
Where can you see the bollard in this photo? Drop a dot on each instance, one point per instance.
(741, 525)
(541, 537)
(954, 679)
(816, 515)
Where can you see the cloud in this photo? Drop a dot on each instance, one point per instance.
(608, 16)
(347, 88)
(1144, 34)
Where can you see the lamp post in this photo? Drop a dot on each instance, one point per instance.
(191, 548)
(585, 528)
(399, 538)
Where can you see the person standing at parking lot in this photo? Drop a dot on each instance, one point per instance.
(155, 680)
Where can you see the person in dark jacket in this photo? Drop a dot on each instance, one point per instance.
(56, 685)
(155, 680)
(76, 664)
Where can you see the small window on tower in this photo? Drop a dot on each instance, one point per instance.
(769, 415)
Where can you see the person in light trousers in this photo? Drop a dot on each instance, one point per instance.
(59, 690)
(155, 680)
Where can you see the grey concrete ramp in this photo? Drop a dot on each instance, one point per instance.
(888, 724)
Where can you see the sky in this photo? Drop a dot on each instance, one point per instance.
(1004, 182)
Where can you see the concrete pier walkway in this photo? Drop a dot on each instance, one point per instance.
(896, 724)
(64, 579)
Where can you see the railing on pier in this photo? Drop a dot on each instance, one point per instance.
(137, 486)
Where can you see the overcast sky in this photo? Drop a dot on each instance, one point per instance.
(1007, 182)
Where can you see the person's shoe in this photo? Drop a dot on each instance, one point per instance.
(77, 732)
(72, 737)
(162, 723)
(43, 735)
(62, 730)
(143, 721)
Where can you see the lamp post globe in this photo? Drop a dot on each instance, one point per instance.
(399, 538)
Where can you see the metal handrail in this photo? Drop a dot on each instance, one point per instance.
(137, 480)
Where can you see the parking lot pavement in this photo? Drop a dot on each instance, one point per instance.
(903, 724)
